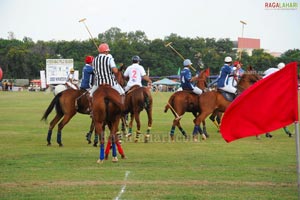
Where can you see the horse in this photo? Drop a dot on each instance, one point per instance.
(107, 109)
(67, 103)
(136, 100)
(186, 101)
(214, 101)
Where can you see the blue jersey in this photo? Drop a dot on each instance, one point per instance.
(226, 70)
(87, 77)
(185, 79)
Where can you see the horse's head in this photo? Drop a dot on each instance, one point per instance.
(202, 79)
(247, 79)
(119, 76)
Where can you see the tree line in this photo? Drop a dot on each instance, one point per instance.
(25, 58)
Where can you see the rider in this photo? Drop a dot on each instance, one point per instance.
(273, 69)
(267, 73)
(239, 71)
(186, 78)
(135, 73)
(105, 70)
(225, 81)
(87, 74)
(71, 81)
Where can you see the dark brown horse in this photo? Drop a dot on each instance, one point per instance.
(137, 99)
(67, 104)
(214, 101)
(186, 101)
(107, 109)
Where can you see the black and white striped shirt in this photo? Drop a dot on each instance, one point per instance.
(103, 65)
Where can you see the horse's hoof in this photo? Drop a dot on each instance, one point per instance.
(147, 138)
(203, 137)
(114, 159)
(106, 157)
(123, 157)
(99, 161)
(269, 135)
(49, 144)
(95, 144)
(61, 145)
(128, 135)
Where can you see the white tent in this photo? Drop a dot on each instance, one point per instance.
(166, 81)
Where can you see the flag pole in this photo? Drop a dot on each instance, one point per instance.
(297, 154)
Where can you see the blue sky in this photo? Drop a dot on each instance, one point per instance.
(279, 30)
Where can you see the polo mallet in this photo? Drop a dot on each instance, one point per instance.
(169, 45)
(83, 21)
(177, 116)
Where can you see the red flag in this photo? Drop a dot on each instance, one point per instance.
(269, 104)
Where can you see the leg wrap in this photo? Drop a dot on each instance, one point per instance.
(172, 130)
(102, 152)
(58, 137)
(49, 136)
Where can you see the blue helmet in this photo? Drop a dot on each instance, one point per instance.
(136, 59)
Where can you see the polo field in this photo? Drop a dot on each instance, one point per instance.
(211, 169)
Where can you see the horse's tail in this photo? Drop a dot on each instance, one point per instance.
(111, 97)
(54, 102)
(147, 98)
(170, 102)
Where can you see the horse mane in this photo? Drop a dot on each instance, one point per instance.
(202, 79)
(249, 77)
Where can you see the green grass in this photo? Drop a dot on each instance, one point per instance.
(213, 169)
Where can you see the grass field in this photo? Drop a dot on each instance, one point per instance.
(212, 169)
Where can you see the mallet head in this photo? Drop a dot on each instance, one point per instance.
(82, 20)
(166, 45)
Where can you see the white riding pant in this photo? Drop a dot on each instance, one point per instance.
(230, 85)
(197, 90)
(116, 87)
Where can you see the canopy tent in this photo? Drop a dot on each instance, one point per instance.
(166, 81)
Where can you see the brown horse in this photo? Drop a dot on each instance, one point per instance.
(214, 101)
(137, 99)
(186, 101)
(107, 109)
(67, 104)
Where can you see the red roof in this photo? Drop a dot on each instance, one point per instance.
(248, 43)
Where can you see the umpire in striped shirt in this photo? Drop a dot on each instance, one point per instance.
(104, 70)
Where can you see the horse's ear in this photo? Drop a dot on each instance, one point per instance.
(250, 68)
(122, 67)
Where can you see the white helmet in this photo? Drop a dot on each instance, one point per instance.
(187, 62)
(228, 59)
(281, 65)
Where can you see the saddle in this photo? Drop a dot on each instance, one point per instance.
(227, 95)
(132, 89)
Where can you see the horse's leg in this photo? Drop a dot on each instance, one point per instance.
(108, 146)
(149, 114)
(120, 149)
(138, 125)
(287, 131)
(61, 125)
(130, 126)
(100, 132)
(215, 117)
(114, 150)
(52, 125)
(204, 129)
(89, 134)
(200, 118)
(181, 129)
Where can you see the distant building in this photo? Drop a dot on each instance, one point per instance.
(247, 45)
